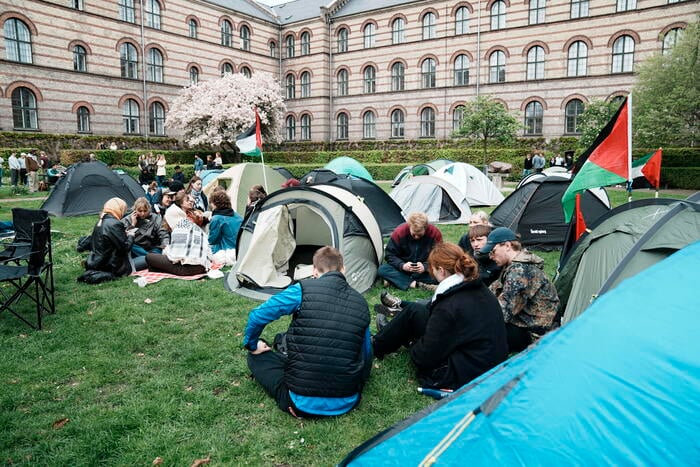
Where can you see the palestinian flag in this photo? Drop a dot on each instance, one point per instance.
(649, 167)
(604, 163)
(250, 142)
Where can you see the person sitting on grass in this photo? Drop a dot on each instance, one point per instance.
(187, 254)
(194, 188)
(150, 236)
(528, 299)
(325, 357)
(110, 242)
(223, 227)
(459, 335)
(183, 207)
(488, 269)
(477, 218)
(255, 195)
(407, 252)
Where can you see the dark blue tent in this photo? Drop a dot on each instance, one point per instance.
(620, 385)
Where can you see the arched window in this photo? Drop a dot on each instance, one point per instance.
(623, 55)
(306, 84)
(462, 20)
(305, 127)
(533, 118)
(427, 71)
(397, 123)
(83, 115)
(398, 74)
(579, 9)
(130, 117)
(497, 67)
(244, 35)
(498, 15)
(457, 117)
(156, 119)
(290, 86)
(154, 66)
(25, 115)
(428, 25)
(193, 28)
(152, 13)
(18, 41)
(273, 49)
(368, 34)
(226, 33)
(129, 61)
(343, 82)
(626, 5)
(305, 43)
(127, 11)
(670, 39)
(398, 31)
(341, 125)
(245, 71)
(342, 40)
(535, 63)
(537, 9)
(461, 69)
(289, 45)
(226, 69)
(370, 80)
(574, 108)
(194, 75)
(577, 63)
(79, 58)
(427, 123)
(290, 128)
(368, 125)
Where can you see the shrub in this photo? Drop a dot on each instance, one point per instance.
(681, 177)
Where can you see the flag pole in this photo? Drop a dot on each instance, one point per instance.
(262, 158)
(658, 182)
(629, 148)
(258, 141)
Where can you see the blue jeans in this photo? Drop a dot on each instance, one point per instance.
(137, 251)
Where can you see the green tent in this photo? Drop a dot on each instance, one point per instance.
(348, 166)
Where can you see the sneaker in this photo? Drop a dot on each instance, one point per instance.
(392, 301)
(424, 286)
(381, 309)
(382, 321)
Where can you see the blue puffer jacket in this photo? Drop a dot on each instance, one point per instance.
(223, 229)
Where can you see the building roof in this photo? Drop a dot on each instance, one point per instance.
(299, 10)
(248, 7)
(352, 7)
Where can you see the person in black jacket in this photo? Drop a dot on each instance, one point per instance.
(111, 244)
(325, 357)
(459, 335)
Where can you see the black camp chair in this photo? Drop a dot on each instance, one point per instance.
(22, 219)
(31, 277)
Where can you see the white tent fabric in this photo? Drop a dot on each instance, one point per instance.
(474, 185)
(598, 192)
(441, 201)
(238, 179)
(264, 267)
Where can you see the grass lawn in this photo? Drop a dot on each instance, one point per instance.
(115, 380)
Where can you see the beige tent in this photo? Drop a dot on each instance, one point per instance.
(238, 179)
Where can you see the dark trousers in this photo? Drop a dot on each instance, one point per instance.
(401, 279)
(408, 326)
(268, 370)
(14, 176)
(161, 263)
(518, 338)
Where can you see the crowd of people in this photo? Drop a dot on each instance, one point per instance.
(34, 171)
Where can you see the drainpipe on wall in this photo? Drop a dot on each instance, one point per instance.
(446, 121)
(330, 80)
(143, 74)
(478, 48)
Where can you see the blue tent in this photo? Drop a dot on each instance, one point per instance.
(618, 386)
(348, 166)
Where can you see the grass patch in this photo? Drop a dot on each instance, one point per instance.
(168, 379)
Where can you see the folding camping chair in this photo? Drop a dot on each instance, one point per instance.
(31, 277)
(22, 219)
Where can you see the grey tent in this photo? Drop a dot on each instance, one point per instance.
(535, 212)
(277, 241)
(85, 187)
(439, 199)
(625, 241)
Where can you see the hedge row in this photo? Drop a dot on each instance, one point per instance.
(687, 178)
(130, 157)
(52, 143)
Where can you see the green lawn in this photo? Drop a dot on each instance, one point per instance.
(115, 380)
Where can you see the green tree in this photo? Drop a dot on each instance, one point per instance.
(595, 116)
(486, 119)
(666, 98)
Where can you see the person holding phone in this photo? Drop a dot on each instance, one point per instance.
(407, 252)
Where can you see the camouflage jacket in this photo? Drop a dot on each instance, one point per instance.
(528, 299)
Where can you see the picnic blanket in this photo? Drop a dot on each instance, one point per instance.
(151, 277)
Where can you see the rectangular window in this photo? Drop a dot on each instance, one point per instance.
(579, 9)
(537, 9)
(127, 12)
(626, 5)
